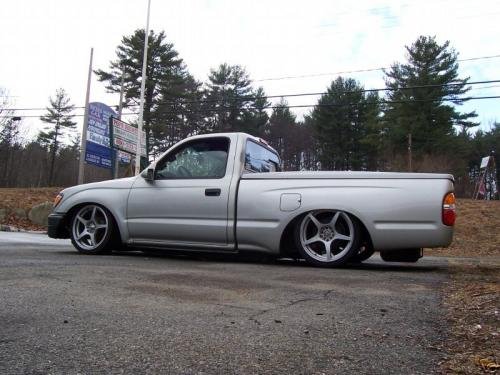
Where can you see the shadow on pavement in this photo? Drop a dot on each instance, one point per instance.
(373, 264)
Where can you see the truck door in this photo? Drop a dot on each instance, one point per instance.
(188, 200)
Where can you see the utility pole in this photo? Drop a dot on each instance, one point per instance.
(120, 109)
(409, 152)
(143, 86)
(81, 167)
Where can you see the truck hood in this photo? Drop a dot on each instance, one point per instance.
(344, 175)
(120, 183)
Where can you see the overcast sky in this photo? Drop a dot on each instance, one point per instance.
(45, 44)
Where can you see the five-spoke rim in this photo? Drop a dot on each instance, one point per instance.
(90, 227)
(327, 235)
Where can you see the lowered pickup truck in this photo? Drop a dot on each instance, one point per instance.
(225, 193)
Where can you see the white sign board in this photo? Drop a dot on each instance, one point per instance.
(125, 137)
(484, 162)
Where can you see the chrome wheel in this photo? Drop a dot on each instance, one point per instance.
(327, 236)
(90, 227)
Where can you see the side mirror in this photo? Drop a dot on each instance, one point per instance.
(149, 175)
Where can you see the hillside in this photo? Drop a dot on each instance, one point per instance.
(476, 230)
(12, 199)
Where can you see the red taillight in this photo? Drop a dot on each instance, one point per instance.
(449, 212)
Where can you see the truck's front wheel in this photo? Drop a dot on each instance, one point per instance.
(92, 229)
(327, 238)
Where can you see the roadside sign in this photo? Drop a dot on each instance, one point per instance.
(98, 147)
(125, 137)
(98, 155)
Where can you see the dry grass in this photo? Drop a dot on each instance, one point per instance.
(477, 230)
(12, 198)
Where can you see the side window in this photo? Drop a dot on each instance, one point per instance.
(260, 159)
(202, 158)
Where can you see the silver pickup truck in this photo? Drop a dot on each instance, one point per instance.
(225, 193)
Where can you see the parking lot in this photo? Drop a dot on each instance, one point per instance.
(62, 312)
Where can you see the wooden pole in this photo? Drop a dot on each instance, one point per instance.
(143, 86)
(116, 168)
(81, 166)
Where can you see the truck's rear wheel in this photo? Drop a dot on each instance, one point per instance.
(92, 229)
(327, 238)
(365, 251)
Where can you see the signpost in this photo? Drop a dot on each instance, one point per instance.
(81, 162)
(143, 87)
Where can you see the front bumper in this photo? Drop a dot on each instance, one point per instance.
(57, 226)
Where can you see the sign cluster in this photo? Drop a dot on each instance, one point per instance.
(125, 137)
(105, 134)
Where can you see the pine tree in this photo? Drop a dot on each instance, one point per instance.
(10, 143)
(232, 104)
(59, 116)
(255, 118)
(420, 111)
(177, 115)
(166, 77)
(343, 120)
(281, 133)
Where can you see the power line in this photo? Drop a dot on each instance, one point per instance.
(306, 76)
(357, 71)
(223, 109)
(226, 108)
(242, 98)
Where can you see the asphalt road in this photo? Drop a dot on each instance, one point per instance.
(66, 313)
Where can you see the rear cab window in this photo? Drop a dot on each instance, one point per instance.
(259, 158)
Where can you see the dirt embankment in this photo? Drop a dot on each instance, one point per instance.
(477, 230)
(17, 201)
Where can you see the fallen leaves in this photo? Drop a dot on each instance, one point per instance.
(472, 299)
(24, 198)
(487, 364)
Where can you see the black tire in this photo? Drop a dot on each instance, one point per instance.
(85, 234)
(364, 252)
(328, 225)
(402, 255)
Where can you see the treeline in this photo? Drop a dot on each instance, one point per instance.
(411, 124)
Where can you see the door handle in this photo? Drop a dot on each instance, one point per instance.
(212, 192)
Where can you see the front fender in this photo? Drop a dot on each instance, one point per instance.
(113, 199)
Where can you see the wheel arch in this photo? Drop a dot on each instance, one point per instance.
(72, 211)
(287, 246)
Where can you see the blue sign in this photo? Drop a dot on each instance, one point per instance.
(98, 151)
(98, 124)
(98, 155)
